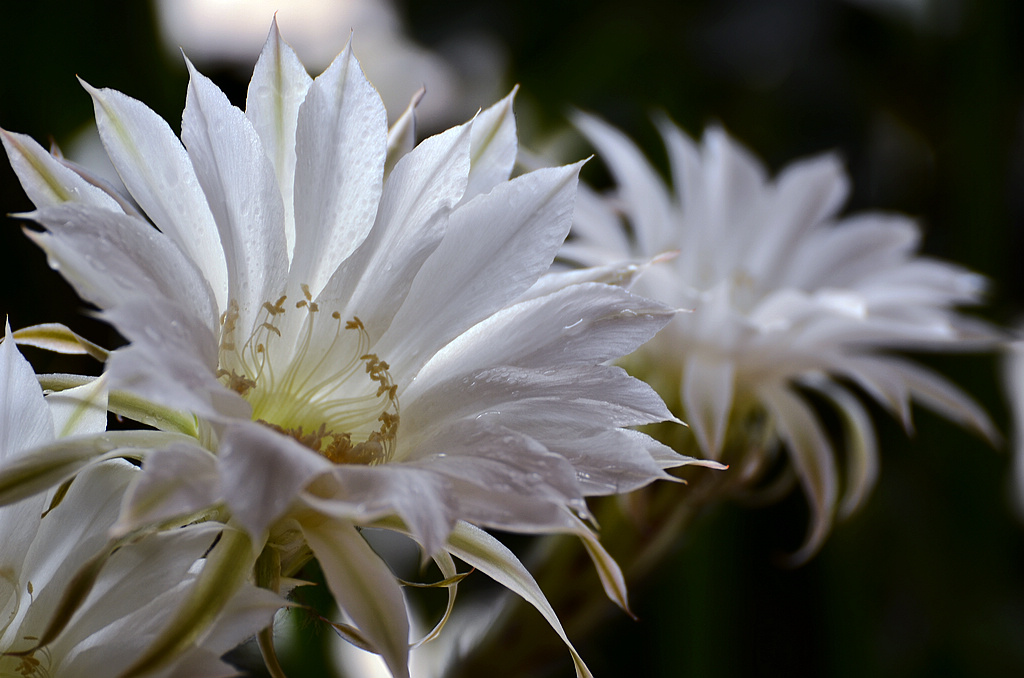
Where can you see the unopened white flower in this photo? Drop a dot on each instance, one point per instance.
(785, 297)
(49, 541)
(361, 327)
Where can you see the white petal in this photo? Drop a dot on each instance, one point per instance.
(172, 360)
(860, 446)
(495, 248)
(707, 396)
(278, 86)
(581, 325)
(156, 170)
(812, 458)
(46, 181)
(374, 281)
(74, 532)
(241, 189)
(341, 144)
(262, 471)
(807, 193)
(643, 192)
(566, 402)
(942, 396)
(80, 410)
(25, 420)
(425, 501)
(175, 480)
(493, 147)
(491, 557)
(500, 477)
(364, 588)
(112, 258)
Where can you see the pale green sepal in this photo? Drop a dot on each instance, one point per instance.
(363, 587)
(265, 639)
(225, 571)
(268, 576)
(491, 557)
(59, 339)
(74, 595)
(80, 410)
(53, 463)
(129, 405)
(451, 580)
(46, 180)
(607, 569)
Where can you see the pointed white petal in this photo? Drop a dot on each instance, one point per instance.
(25, 420)
(495, 248)
(643, 192)
(812, 458)
(175, 480)
(156, 170)
(341, 144)
(111, 258)
(47, 181)
(945, 398)
(241, 189)
(491, 557)
(493, 147)
(374, 281)
(566, 402)
(707, 394)
(277, 89)
(584, 324)
(59, 339)
(363, 587)
(860, 446)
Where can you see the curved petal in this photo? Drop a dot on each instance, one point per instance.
(812, 458)
(472, 274)
(491, 557)
(112, 258)
(363, 587)
(156, 170)
(425, 184)
(585, 324)
(707, 396)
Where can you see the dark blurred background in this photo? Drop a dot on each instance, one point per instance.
(925, 102)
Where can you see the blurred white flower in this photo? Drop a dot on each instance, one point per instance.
(313, 271)
(787, 299)
(50, 540)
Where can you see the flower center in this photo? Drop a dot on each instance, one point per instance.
(314, 380)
